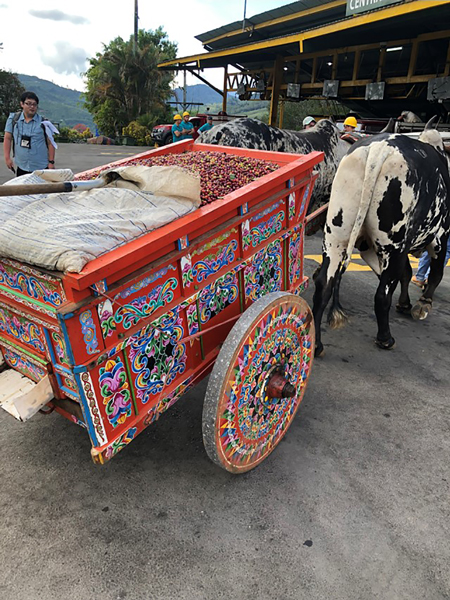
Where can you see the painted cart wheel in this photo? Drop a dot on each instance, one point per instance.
(258, 381)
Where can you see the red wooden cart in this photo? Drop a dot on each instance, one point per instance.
(113, 347)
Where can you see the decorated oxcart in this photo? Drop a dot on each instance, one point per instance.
(113, 347)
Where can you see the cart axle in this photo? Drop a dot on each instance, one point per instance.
(279, 387)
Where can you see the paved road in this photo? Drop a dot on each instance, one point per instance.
(353, 504)
(80, 157)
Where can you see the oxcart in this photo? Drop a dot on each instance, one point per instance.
(115, 346)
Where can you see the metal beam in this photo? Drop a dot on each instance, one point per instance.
(276, 86)
(225, 89)
(192, 72)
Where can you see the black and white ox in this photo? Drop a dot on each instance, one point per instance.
(324, 137)
(390, 197)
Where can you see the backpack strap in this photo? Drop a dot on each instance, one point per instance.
(14, 123)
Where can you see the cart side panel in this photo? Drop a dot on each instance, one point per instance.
(110, 396)
(258, 228)
(16, 328)
(84, 332)
(137, 300)
(31, 287)
(158, 359)
(24, 364)
(110, 317)
(219, 305)
(264, 272)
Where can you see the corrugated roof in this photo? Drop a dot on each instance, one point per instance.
(303, 22)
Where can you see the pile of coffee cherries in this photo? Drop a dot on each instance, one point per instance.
(220, 173)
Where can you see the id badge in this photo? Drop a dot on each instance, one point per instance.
(25, 142)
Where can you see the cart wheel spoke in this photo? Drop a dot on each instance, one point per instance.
(258, 381)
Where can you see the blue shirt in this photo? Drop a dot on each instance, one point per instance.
(187, 127)
(36, 157)
(176, 127)
(206, 127)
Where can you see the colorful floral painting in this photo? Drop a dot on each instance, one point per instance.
(157, 358)
(21, 329)
(115, 391)
(264, 274)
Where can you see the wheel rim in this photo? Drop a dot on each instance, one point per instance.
(242, 421)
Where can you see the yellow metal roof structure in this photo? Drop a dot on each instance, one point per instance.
(310, 48)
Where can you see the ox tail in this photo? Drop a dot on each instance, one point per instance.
(337, 317)
(374, 161)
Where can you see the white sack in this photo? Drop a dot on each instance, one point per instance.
(65, 231)
(10, 205)
(161, 181)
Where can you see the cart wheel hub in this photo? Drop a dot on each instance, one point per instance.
(279, 387)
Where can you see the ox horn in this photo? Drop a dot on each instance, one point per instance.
(431, 123)
(390, 127)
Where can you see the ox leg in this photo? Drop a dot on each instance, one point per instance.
(322, 295)
(423, 306)
(404, 305)
(389, 279)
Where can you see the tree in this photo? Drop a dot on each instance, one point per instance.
(123, 85)
(10, 91)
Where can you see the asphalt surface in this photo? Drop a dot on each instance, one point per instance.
(353, 504)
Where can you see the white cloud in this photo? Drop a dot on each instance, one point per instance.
(66, 60)
(57, 15)
(34, 46)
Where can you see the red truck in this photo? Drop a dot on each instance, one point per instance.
(162, 134)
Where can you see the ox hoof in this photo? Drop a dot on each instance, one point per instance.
(388, 345)
(404, 309)
(319, 351)
(421, 310)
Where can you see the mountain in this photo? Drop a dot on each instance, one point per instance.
(65, 106)
(197, 93)
(57, 103)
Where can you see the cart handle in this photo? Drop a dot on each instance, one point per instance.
(316, 213)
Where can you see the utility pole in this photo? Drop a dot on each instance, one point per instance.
(136, 27)
(245, 10)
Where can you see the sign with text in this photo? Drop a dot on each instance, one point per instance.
(355, 7)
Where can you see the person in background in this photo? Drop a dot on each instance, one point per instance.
(350, 134)
(350, 124)
(177, 130)
(421, 277)
(25, 135)
(309, 122)
(208, 125)
(188, 128)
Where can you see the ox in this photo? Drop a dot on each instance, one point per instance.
(324, 137)
(390, 197)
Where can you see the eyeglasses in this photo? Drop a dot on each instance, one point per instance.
(30, 103)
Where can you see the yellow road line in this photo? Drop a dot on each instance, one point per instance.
(117, 153)
(357, 263)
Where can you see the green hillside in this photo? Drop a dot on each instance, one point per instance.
(59, 104)
(65, 106)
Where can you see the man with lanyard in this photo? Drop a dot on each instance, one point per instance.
(208, 125)
(177, 130)
(26, 136)
(188, 128)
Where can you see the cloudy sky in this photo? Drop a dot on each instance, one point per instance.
(53, 39)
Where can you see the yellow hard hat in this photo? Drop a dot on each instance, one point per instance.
(185, 113)
(177, 118)
(351, 121)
